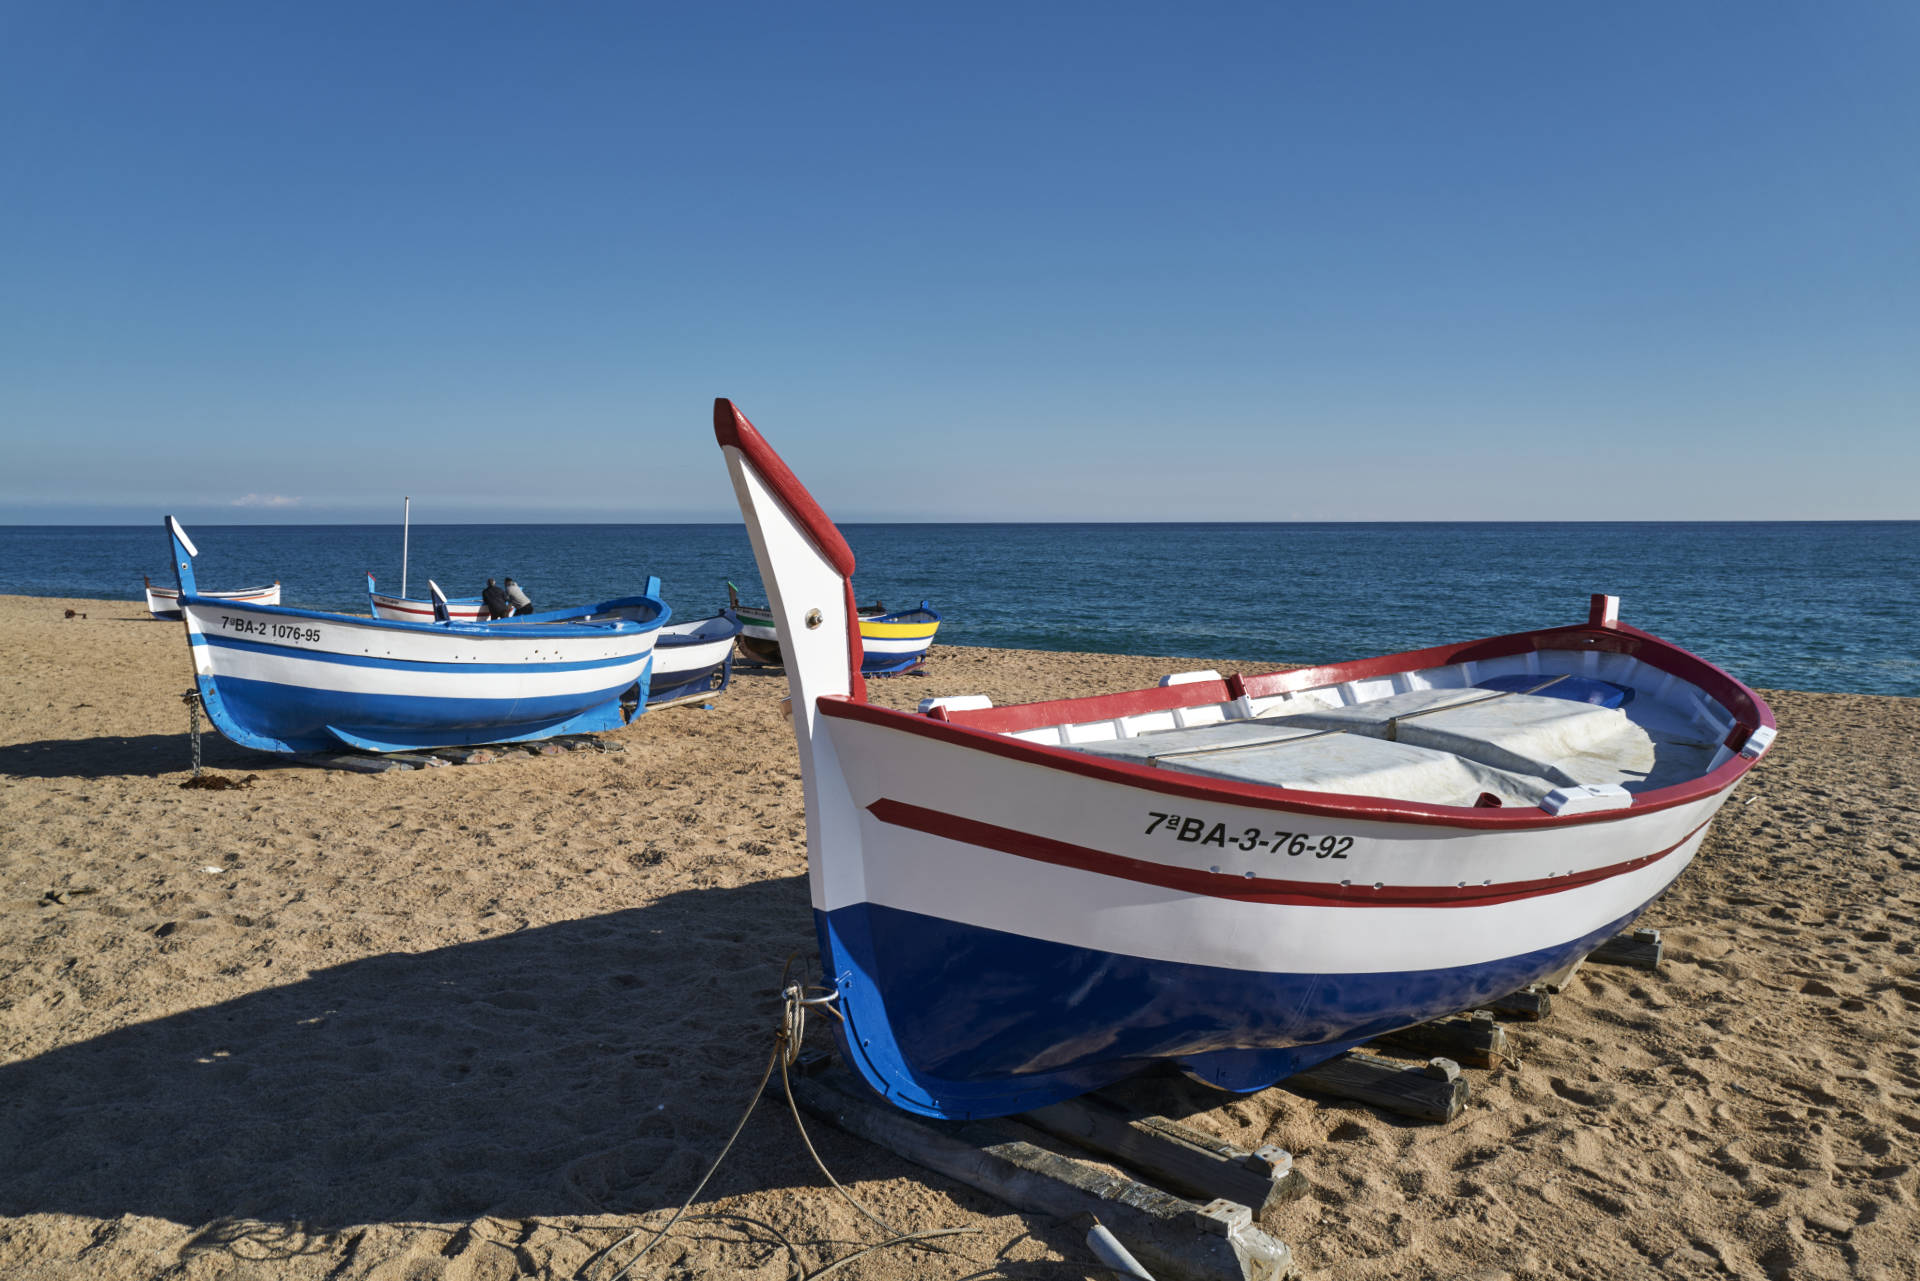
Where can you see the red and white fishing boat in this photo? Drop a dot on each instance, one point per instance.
(164, 602)
(409, 609)
(1242, 877)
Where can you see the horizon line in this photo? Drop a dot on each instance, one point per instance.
(1483, 520)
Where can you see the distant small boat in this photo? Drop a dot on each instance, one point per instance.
(298, 680)
(1238, 877)
(897, 642)
(164, 602)
(407, 609)
(892, 642)
(693, 660)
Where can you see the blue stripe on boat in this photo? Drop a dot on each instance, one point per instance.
(999, 1023)
(406, 664)
(296, 718)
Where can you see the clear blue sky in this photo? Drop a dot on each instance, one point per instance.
(287, 262)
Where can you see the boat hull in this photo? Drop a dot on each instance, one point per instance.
(693, 660)
(284, 680)
(1100, 1016)
(890, 643)
(898, 642)
(968, 990)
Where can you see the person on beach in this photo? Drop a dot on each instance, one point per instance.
(498, 606)
(518, 598)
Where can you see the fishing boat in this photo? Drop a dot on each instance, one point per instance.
(298, 680)
(1240, 877)
(759, 641)
(897, 642)
(891, 642)
(164, 602)
(693, 660)
(408, 609)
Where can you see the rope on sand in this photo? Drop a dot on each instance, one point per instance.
(796, 997)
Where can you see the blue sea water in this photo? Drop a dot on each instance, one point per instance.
(1813, 605)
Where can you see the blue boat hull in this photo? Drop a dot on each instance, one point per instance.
(289, 718)
(707, 680)
(1001, 1023)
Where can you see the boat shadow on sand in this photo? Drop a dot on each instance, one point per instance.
(587, 1067)
(134, 755)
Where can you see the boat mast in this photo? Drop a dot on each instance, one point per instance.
(406, 520)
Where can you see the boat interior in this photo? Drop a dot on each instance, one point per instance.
(1562, 730)
(717, 627)
(923, 614)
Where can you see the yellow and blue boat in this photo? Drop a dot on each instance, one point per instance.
(890, 642)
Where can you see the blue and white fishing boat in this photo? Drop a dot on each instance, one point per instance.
(690, 660)
(1241, 877)
(409, 609)
(693, 660)
(297, 680)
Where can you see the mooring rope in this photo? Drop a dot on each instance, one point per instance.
(795, 998)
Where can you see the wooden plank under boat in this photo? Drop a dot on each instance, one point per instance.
(1242, 877)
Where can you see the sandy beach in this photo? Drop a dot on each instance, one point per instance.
(479, 1022)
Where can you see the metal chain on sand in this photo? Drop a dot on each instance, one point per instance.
(192, 699)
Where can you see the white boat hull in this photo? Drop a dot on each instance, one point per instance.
(164, 602)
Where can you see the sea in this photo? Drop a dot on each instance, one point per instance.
(1790, 605)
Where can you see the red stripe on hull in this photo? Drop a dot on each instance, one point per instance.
(1043, 849)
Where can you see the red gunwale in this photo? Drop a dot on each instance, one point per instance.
(985, 730)
(1016, 717)
(730, 427)
(395, 603)
(1186, 880)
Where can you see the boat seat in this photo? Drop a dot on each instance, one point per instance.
(1315, 761)
(1566, 742)
(1195, 738)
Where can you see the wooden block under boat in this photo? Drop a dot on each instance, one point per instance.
(1529, 1003)
(1641, 949)
(1177, 1239)
(1434, 1091)
(1475, 1040)
(465, 755)
(417, 760)
(1178, 1156)
(1561, 979)
(352, 763)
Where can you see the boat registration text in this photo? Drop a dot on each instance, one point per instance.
(1196, 831)
(277, 631)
